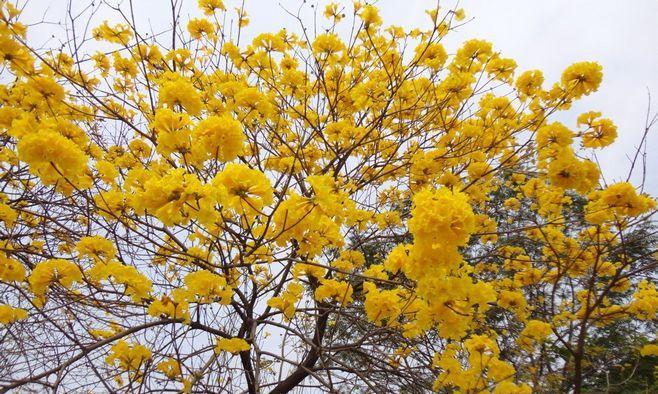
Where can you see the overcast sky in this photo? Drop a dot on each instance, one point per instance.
(546, 35)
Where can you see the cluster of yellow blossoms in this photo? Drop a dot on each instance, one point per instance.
(484, 367)
(9, 315)
(287, 301)
(52, 271)
(128, 357)
(232, 345)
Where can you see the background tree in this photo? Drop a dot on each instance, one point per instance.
(612, 362)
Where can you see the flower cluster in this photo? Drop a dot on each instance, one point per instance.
(232, 345)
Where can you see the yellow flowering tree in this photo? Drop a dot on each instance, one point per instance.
(184, 211)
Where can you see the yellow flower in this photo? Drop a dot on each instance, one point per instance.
(370, 16)
(118, 34)
(50, 271)
(512, 300)
(168, 121)
(102, 62)
(210, 6)
(601, 132)
(501, 68)
(7, 215)
(170, 368)
(11, 270)
(554, 136)
(619, 199)
(649, 350)
(331, 288)
(243, 19)
(111, 202)
(252, 99)
(396, 258)
(53, 157)
(172, 129)
(98, 333)
(171, 197)
(512, 204)
(376, 271)
(287, 300)
(474, 49)
(174, 308)
(179, 92)
(140, 148)
(47, 88)
(567, 172)
(96, 247)
(535, 331)
(232, 345)
(10, 315)
(205, 287)
(381, 305)
(124, 66)
(327, 44)
(645, 301)
(106, 171)
(199, 27)
(128, 357)
(310, 270)
(581, 79)
(18, 56)
(349, 259)
(247, 189)
(388, 219)
(332, 10)
(431, 55)
(220, 137)
(529, 82)
(441, 217)
(138, 286)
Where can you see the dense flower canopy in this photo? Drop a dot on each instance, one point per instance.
(373, 209)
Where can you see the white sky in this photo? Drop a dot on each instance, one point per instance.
(545, 35)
